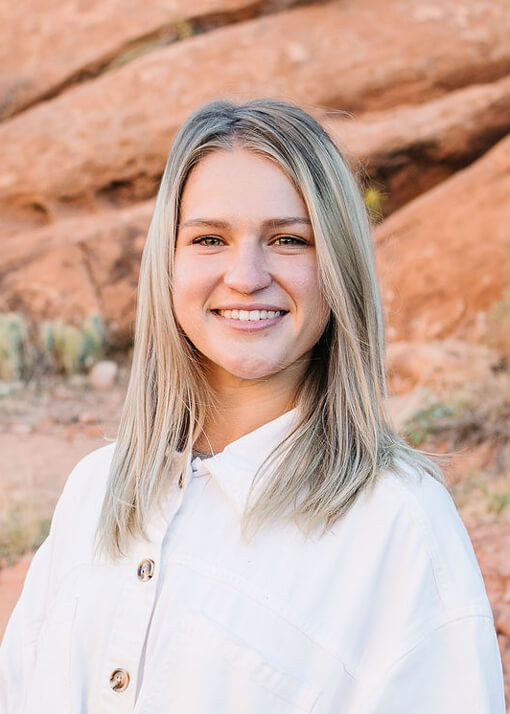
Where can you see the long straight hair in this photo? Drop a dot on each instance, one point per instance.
(342, 439)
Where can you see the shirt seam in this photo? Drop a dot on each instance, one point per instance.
(245, 592)
(412, 506)
(420, 640)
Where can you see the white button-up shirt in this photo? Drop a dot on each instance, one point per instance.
(385, 614)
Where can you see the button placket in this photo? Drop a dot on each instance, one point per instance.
(129, 628)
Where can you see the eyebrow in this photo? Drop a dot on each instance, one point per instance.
(270, 222)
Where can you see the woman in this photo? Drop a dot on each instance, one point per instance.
(258, 539)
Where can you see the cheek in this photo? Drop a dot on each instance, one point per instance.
(184, 293)
(303, 285)
(312, 306)
(190, 285)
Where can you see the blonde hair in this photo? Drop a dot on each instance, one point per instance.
(342, 439)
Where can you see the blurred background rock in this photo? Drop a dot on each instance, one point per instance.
(417, 95)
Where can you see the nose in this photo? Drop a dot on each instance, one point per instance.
(247, 272)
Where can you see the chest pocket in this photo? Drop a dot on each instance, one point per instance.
(213, 672)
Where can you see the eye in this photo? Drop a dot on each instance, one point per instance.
(289, 240)
(211, 241)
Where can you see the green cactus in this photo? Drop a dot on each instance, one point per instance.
(69, 348)
(54, 347)
(47, 339)
(72, 349)
(93, 340)
(13, 346)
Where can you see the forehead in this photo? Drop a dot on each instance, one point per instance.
(239, 184)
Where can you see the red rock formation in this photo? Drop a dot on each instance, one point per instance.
(78, 267)
(66, 162)
(405, 151)
(117, 128)
(75, 266)
(437, 364)
(445, 257)
(48, 46)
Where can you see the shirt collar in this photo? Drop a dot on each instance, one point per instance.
(234, 467)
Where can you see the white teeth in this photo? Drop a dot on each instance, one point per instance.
(250, 315)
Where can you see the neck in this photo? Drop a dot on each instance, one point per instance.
(243, 406)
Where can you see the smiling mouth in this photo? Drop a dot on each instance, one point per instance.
(250, 315)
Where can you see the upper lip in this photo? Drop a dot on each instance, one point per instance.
(257, 306)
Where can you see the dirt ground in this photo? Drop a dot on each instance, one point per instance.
(45, 431)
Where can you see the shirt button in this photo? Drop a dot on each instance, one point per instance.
(146, 570)
(119, 680)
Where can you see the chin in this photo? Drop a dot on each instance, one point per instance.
(251, 368)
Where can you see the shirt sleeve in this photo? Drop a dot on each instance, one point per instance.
(454, 669)
(18, 651)
(18, 648)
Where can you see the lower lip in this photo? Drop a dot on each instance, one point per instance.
(249, 325)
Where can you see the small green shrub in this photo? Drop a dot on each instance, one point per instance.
(179, 28)
(22, 529)
(496, 501)
(427, 420)
(374, 201)
(183, 28)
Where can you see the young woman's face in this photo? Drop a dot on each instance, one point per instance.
(246, 289)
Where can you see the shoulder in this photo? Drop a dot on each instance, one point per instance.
(86, 485)
(402, 565)
(92, 470)
(423, 517)
(404, 540)
(96, 461)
